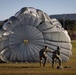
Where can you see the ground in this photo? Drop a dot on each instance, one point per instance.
(35, 69)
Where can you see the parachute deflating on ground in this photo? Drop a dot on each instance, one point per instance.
(27, 32)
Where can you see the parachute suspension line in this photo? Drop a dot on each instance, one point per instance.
(44, 40)
(32, 51)
(59, 44)
(58, 39)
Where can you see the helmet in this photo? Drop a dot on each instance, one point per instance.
(58, 48)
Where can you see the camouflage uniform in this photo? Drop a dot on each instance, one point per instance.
(42, 54)
(56, 55)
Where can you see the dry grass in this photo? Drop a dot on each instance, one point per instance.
(35, 69)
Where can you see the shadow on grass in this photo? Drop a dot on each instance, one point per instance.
(19, 66)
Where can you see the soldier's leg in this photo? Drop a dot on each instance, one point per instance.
(40, 60)
(45, 59)
(60, 61)
(53, 62)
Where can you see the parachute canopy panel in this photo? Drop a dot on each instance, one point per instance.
(26, 33)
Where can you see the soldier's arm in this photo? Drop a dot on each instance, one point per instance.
(47, 50)
(51, 51)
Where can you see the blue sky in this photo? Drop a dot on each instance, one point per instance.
(9, 7)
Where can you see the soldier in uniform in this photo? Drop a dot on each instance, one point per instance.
(42, 54)
(56, 55)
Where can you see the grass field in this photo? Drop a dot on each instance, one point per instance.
(35, 69)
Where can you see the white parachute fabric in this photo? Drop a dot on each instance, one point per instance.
(26, 33)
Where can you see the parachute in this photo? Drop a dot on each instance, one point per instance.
(27, 32)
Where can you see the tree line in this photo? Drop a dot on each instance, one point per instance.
(70, 26)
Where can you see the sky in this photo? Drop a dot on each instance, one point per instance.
(8, 8)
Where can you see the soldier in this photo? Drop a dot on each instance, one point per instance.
(56, 55)
(42, 54)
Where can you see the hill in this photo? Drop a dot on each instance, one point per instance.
(66, 16)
